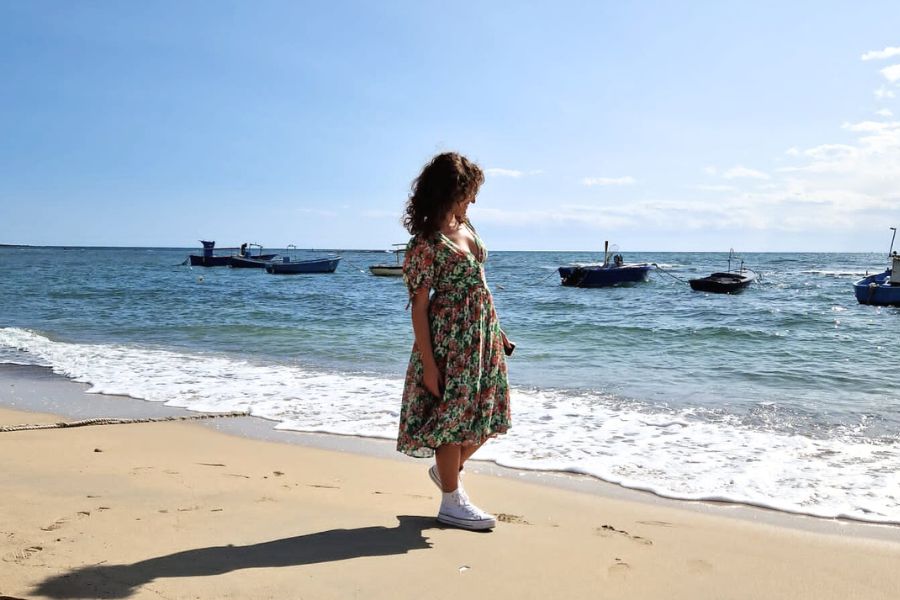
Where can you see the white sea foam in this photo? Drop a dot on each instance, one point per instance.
(833, 273)
(674, 454)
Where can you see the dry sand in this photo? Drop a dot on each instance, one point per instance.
(177, 510)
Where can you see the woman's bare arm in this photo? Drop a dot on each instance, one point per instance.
(433, 379)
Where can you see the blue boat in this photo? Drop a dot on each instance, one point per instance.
(290, 266)
(604, 274)
(881, 289)
(878, 290)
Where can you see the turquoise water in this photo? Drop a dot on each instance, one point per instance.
(786, 395)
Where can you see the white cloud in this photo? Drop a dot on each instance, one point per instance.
(740, 172)
(592, 181)
(497, 172)
(880, 54)
(891, 73)
(828, 187)
(870, 126)
(716, 188)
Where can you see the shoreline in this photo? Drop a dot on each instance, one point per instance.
(194, 510)
(50, 393)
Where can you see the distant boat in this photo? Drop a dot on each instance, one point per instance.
(239, 262)
(604, 274)
(390, 270)
(316, 265)
(729, 282)
(881, 289)
(723, 283)
(246, 260)
(290, 266)
(210, 259)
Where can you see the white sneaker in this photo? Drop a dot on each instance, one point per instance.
(457, 510)
(436, 477)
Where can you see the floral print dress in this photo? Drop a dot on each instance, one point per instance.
(467, 346)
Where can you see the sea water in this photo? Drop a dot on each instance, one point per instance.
(786, 395)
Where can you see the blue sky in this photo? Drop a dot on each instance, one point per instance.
(763, 126)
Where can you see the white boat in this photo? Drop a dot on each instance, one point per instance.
(395, 270)
(387, 270)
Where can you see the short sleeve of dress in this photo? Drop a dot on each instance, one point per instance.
(418, 265)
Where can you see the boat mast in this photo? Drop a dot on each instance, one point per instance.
(891, 251)
(605, 253)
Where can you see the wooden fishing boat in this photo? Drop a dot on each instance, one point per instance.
(881, 289)
(396, 270)
(210, 259)
(386, 270)
(723, 283)
(878, 289)
(240, 262)
(288, 266)
(245, 259)
(729, 282)
(605, 274)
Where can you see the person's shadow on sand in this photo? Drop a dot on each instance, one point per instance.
(120, 581)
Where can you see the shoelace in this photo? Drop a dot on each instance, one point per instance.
(462, 500)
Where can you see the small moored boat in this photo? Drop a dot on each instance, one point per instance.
(881, 289)
(289, 265)
(729, 282)
(604, 274)
(246, 260)
(396, 270)
(316, 265)
(723, 283)
(210, 259)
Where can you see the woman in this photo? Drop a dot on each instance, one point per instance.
(456, 394)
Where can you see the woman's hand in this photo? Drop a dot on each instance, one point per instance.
(434, 381)
(508, 345)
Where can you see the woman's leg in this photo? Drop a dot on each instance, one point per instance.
(466, 452)
(449, 460)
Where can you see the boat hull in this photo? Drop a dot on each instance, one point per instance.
(386, 270)
(210, 261)
(321, 265)
(721, 283)
(876, 290)
(591, 276)
(253, 262)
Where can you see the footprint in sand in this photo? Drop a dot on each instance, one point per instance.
(619, 569)
(20, 556)
(514, 519)
(657, 523)
(55, 525)
(609, 530)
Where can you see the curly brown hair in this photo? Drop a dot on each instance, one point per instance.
(445, 180)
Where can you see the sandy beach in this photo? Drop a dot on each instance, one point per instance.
(181, 510)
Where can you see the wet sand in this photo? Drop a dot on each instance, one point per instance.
(185, 510)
